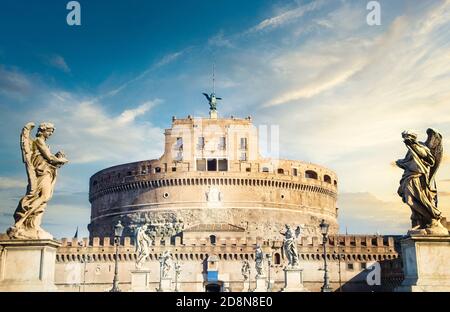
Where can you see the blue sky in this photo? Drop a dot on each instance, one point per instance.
(347, 90)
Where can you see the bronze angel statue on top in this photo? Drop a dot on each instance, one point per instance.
(41, 166)
(418, 186)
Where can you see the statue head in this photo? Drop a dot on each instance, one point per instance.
(45, 129)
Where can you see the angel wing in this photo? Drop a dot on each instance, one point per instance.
(26, 145)
(434, 143)
(207, 97)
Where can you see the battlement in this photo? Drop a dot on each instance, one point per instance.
(357, 241)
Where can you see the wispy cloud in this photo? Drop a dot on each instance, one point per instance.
(286, 17)
(165, 60)
(8, 183)
(58, 62)
(13, 83)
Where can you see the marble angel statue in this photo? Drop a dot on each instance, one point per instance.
(41, 166)
(290, 245)
(418, 186)
(143, 243)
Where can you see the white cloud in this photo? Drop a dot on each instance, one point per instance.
(9, 183)
(58, 62)
(286, 17)
(130, 115)
(105, 137)
(169, 58)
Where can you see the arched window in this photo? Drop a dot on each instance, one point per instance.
(212, 239)
(157, 169)
(277, 258)
(310, 174)
(280, 171)
(327, 178)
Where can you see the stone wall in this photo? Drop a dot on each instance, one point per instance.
(88, 265)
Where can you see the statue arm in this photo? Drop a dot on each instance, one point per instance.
(46, 153)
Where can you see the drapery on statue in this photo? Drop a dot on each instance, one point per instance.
(166, 263)
(290, 245)
(143, 242)
(41, 166)
(245, 270)
(418, 186)
(259, 261)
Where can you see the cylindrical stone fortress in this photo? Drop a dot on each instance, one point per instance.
(211, 173)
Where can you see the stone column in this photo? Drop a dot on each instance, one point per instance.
(28, 265)
(425, 263)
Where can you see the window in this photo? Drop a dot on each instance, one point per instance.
(277, 259)
(327, 178)
(157, 169)
(179, 144)
(350, 266)
(294, 172)
(222, 143)
(265, 169)
(243, 143)
(248, 169)
(212, 164)
(310, 174)
(201, 164)
(280, 171)
(201, 143)
(223, 165)
(174, 169)
(212, 240)
(243, 156)
(363, 265)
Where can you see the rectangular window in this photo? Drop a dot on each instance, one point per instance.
(212, 164)
(174, 169)
(248, 169)
(350, 266)
(223, 165)
(201, 164)
(201, 143)
(363, 265)
(243, 143)
(222, 143)
(179, 144)
(243, 156)
(295, 172)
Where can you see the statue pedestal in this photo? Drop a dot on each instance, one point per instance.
(140, 281)
(28, 265)
(425, 263)
(246, 286)
(261, 284)
(165, 285)
(293, 280)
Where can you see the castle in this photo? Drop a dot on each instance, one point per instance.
(210, 199)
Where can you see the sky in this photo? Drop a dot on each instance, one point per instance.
(340, 90)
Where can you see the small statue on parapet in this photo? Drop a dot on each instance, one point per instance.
(143, 242)
(259, 261)
(245, 270)
(290, 245)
